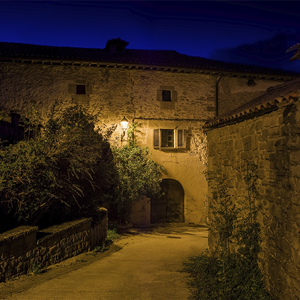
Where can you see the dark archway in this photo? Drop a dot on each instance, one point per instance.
(169, 207)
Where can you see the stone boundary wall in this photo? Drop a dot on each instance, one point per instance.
(25, 246)
(272, 142)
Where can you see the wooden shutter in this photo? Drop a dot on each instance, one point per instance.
(156, 138)
(181, 138)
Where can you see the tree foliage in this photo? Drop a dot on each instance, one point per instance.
(297, 53)
(66, 170)
(51, 173)
(138, 175)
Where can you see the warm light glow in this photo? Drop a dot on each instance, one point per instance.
(124, 124)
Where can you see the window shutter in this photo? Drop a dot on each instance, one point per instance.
(155, 138)
(181, 138)
(72, 88)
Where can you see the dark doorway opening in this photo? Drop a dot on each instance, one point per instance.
(169, 207)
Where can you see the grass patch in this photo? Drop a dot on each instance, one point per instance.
(35, 269)
(111, 236)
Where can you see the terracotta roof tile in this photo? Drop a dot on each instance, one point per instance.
(273, 98)
(157, 58)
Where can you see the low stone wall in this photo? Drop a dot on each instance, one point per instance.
(26, 246)
(272, 142)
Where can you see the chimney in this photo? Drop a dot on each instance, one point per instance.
(116, 45)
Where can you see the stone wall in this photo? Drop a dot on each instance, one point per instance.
(135, 93)
(26, 246)
(272, 141)
(234, 91)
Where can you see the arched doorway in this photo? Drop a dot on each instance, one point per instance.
(169, 207)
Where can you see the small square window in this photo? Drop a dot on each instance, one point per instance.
(166, 95)
(80, 89)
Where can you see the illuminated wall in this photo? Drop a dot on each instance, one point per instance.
(272, 142)
(157, 100)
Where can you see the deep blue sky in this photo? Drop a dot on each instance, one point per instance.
(257, 32)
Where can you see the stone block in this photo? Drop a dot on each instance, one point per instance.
(264, 135)
(247, 143)
(270, 146)
(295, 157)
(246, 155)
(293, 142)
(295, 171)
(20, 268)
(258, 125)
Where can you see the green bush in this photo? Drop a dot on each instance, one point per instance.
(138, 175)
(66, 170)
(111, 236)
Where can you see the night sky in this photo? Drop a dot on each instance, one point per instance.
(256, 33)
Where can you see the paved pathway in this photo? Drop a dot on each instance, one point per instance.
(146, 267)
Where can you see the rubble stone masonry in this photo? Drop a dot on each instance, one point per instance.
(272, 142)
(135, 93)
(25, 246)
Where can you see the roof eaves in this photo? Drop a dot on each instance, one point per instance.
(251, 112)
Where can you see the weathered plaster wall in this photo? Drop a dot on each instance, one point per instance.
(119, 92)
(272, 141)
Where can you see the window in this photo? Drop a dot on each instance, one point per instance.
(80, 89)
(166, 95)
(168, 138)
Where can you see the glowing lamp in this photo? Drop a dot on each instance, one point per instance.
(124, 124)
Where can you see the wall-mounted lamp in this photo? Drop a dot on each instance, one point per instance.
(124, 125)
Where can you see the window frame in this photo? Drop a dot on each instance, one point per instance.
(73, 88)
(167, 104)
(179, 138)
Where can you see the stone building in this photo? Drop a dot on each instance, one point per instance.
(266, 131)
(170, 96)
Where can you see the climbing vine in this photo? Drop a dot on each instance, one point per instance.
(230, 270)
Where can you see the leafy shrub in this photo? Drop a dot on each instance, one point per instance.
(63, 172)
(111, 236)
(138, 175)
